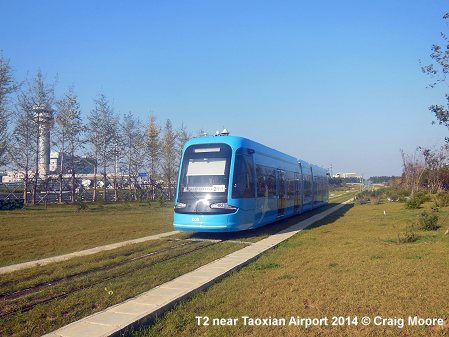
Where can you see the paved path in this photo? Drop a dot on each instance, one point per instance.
(42, 262)
(144, 308)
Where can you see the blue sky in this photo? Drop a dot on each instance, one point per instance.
(328, 82)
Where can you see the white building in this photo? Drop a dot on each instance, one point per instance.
(13, 177)
(346, 175)
(82, 165)
(54, 161)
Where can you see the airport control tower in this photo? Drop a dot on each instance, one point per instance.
(43, 115)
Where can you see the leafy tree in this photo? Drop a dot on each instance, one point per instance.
(438, 71)
(380, 179)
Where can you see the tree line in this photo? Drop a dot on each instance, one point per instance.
(113, 144)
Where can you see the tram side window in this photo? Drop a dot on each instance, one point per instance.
(323, 188)
(315, 189)
(266, 181)
(281, 184)
(271, 181)
(326, 188)
(319, 182)
(243, 182)
(262, 187)
(307, 185)
(291, 185)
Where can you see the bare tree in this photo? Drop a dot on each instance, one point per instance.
(23, 148)
(38, 96)
(435, 160)
(103, 138)
(7, 87)
(413, 169)
(68, 132)
(153, 150)
(169, 157)
(182, 137)
(132, 146)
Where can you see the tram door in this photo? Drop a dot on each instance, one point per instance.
(281, 192)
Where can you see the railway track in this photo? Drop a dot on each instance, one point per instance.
(11, 309)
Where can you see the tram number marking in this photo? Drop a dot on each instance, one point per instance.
(195, 219)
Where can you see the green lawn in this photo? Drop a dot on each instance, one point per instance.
(93, 290)
(35, 232)
(349, 265)
(93, 283)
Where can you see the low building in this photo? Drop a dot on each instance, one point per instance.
(13, 177)
(82, 165)
(346, 175)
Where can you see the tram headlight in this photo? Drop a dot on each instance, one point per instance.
(180, 205)
(223, 205)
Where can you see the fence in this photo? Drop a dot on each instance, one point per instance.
(55, 189)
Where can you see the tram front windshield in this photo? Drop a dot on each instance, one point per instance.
(205, 171)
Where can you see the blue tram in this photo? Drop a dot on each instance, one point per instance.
(229, 183)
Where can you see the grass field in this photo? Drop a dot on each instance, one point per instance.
(41, 299)
(64, 292)
(35, 233)
(348, 265)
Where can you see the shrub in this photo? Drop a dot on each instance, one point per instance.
(124, 195)
(80, 204)
(417, 200)
(413, 203)
(11, 204)
(423, 196)
(402, 199)
(368, 196)
(428, 222)
(435, 208)
(394, 194)
(361, 200)
(161, 201)
(409, 235)
(442, 199)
